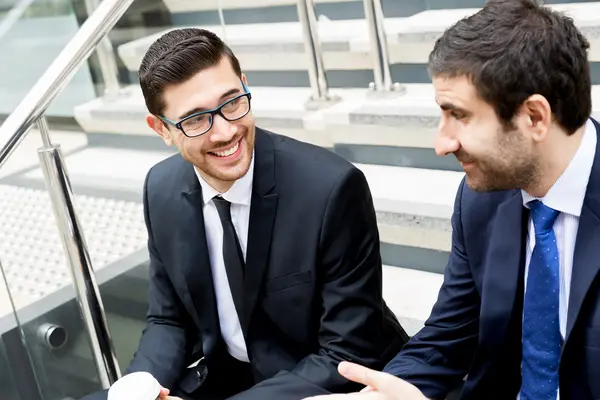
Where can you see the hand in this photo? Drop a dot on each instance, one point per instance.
(379, 385)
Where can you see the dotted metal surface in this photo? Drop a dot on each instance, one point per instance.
(31, 251)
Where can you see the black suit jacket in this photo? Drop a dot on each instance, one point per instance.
(475, 326)
(313, 290)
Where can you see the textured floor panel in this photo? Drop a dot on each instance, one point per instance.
(30, 248)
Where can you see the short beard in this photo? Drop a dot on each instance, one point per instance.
(509, 167)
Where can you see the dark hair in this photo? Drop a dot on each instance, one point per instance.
(512, 49)
(176, 57)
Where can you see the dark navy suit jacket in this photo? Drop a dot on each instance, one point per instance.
(475, 327)
(312, 288)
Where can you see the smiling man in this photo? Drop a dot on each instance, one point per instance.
(265, 269)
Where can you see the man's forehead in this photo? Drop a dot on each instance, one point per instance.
(454, 89)
(202, 90)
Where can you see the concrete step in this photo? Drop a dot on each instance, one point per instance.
(410, 294)
(345, 43)
(178, 6)
(186, 12)
(413, 221)
(209, 5)
(413, 218)
(363, 127)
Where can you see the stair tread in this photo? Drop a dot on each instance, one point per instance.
(289, 103)
(401, 189)
(187, 5)
(351, 36)
(410, 294)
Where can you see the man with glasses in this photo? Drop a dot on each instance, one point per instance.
(265, 270)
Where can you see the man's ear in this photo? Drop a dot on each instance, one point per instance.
(158, 126)
(535, 117)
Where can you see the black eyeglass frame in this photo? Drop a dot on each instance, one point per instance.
(212, 113)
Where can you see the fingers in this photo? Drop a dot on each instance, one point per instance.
(367, 389)
(358, 373)
(379, 381)
(351, 396)
(347, 396)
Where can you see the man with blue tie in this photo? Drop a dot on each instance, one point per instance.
(518, 314)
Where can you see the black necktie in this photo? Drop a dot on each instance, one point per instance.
(232, 255)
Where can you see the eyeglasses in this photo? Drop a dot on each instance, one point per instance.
(201, 122)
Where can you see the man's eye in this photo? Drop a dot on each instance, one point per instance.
(457, 116)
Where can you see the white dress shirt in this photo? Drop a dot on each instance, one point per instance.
(239, 195)
(566, 195)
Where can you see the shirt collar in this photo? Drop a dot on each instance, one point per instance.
(239, 193)
(568, 192)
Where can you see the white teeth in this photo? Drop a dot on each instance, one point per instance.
(228, 152)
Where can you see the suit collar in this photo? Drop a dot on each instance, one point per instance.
(592, 197)
(502, 286)
(264, 171)
(586, 264)
(505, 260)
(262, 219)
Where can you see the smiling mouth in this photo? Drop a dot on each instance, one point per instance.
(228, 152)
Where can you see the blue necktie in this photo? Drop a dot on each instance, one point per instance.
(541, 329)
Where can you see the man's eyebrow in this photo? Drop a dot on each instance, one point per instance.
(452, 107)
(201, 109)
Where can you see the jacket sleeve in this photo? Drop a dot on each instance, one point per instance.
(438, 357)
(354, 323)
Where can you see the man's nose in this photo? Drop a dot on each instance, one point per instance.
(222, 130)
(445, 141)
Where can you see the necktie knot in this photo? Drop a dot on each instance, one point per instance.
(223, 208)
(543, 217)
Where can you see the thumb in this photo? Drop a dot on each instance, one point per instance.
(164, 392)
(379, 381)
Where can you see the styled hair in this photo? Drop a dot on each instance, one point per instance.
(176, 57)
(512, 49)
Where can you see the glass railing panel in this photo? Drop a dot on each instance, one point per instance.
(32, 34)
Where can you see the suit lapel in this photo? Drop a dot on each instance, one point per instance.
(194, 264)
(586, 259)
(503, 280)
(262, 216)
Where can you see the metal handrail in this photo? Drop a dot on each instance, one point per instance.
(310, 30)
(78, 258)
(107, 59)
(58, 74)
(379, 48)
(30, 111)
(312, 46)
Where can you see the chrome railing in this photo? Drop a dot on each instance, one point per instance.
(58, 74)
(379, 48)
(312, 45)
(316, 70)
(31, 111)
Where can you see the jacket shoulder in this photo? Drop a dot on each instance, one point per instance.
(308, 159)
(167, 170)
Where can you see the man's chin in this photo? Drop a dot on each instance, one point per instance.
(232, 173)
(482, 185)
